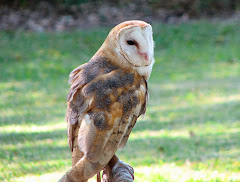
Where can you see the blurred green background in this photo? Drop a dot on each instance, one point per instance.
(191, 131)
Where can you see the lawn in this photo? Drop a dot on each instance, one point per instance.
(191, 131)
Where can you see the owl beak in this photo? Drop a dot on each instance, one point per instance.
(144, 55)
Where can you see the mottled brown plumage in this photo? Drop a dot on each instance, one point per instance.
(106, 97)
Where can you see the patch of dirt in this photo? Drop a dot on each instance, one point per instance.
(47, 17)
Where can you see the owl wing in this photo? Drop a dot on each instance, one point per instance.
(104, 101)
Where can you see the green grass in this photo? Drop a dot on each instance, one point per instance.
(191, 131)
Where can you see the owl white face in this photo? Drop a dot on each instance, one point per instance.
(136, 45)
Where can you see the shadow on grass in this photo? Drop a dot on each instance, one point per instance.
(225, 86)
(34, 116)
(36, 160)
(200, 148)
(31, 103)
(38, 153)
(42, 158)
(221, 113)
(16, 138)
(34, 153)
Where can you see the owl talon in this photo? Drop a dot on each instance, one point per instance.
(122, 172)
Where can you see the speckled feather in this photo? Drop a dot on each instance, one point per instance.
(106, 97)
(110, 95)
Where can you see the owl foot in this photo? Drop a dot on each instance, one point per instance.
(120, 172)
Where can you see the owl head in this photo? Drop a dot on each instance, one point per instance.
(130, 44)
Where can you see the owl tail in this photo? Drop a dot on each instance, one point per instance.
(115, 171)
(82, 171)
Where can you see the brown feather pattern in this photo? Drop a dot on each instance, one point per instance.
(106, 97)
(113, 98)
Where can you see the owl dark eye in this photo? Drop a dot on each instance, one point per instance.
(131, 42)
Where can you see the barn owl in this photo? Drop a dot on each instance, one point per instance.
(106, 97)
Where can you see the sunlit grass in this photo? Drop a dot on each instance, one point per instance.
(189, 133)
